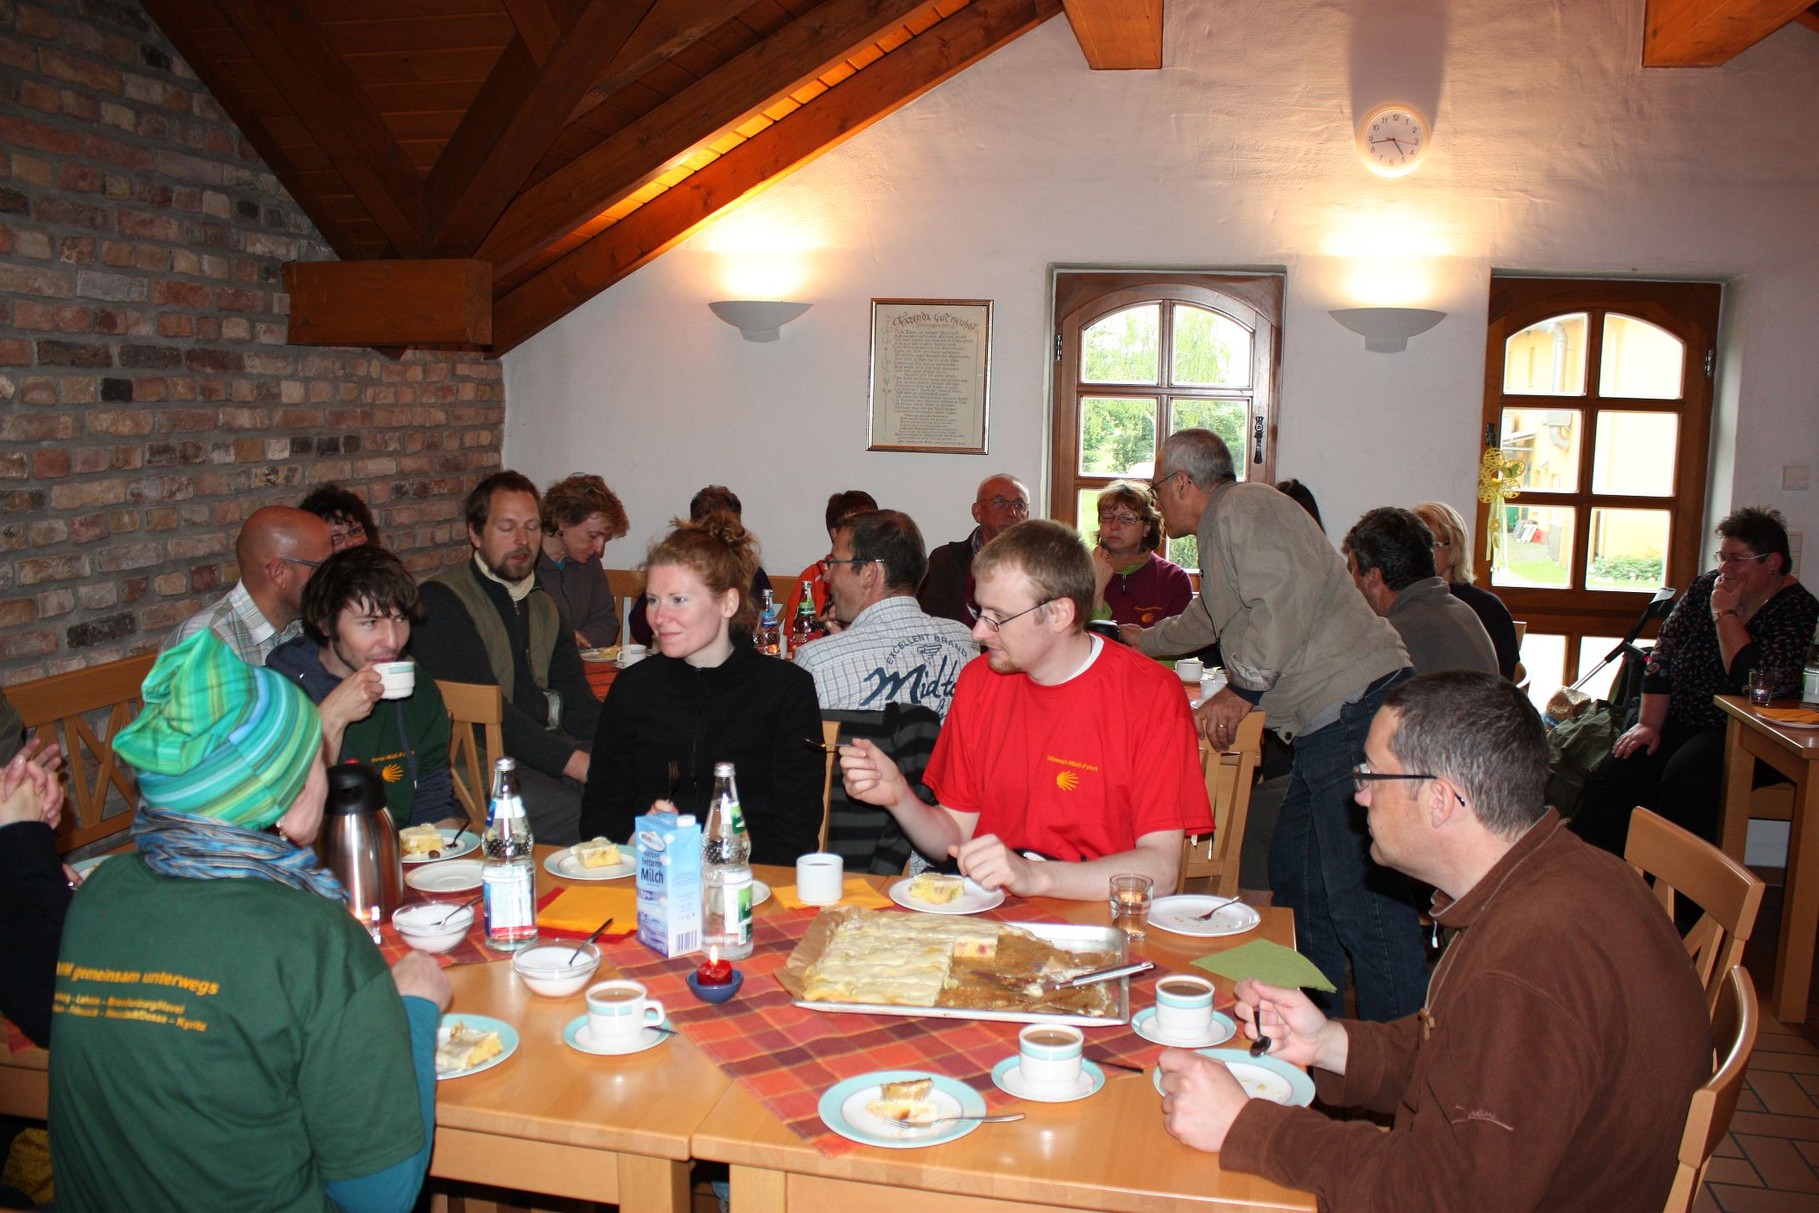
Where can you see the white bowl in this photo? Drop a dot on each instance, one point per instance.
(554, 971)
(421, 927)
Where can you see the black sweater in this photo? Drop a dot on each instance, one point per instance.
(754, 711)
(34, 897)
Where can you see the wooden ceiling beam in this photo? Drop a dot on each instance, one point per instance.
(1118, 35)
(537, 26)
(296, 57)
(718, 102)
(390, 303)
(666, 29)
(1707, 33)
(835, 116)
(514, 119)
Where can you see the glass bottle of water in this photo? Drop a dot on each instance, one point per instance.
(726, 871)
(770, 628)
(508, 873)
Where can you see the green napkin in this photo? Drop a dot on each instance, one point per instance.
(1267, 962)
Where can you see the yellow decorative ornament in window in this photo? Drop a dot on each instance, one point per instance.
(1499, 480)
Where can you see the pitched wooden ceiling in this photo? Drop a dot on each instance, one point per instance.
(499, 162)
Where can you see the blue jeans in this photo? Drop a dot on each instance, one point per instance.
(1345, 904)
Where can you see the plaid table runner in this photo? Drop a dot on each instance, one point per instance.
(785, 1056)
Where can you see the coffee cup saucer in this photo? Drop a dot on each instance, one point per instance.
(1007, 1076)
(1219, 1031)
(577, 1037)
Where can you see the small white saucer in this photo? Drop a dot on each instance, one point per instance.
(577, 1037)
(1144, 1024)
(1007, 1076)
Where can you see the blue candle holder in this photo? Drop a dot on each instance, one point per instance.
(716, 994)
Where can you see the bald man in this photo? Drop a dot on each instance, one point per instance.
(278, 548)
(947, 591)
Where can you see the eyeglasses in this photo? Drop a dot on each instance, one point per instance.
(1442, 543)
(997, 625)
(1156, 485)
(1015, 505)
(828, 562)
(308, 564)
(1363, 777)
(1722, 559)
(352, 537)
(1122, 518)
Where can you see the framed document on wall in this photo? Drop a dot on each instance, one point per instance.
(931, 374)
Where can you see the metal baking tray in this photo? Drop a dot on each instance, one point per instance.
(1070, 937)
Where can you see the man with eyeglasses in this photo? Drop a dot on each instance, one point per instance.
(277, 550)
(1058, 743)
(947, 590)
(889, 650)
(1563, 1036)
(1301, 644)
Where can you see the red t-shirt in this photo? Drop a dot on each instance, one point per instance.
(1075, 771)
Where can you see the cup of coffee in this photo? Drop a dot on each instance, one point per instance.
(1191, 669)
(820, 879)
(632, 654)
(1048, 1055)
(399, 677)
(1184, 1007)
(618, 1011)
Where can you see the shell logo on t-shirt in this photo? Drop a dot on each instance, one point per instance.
(391, 772)
(1067, 781)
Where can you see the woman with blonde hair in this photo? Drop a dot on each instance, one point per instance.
(580, 517)
(707, 696)
(1133, 584)
(1453, 562)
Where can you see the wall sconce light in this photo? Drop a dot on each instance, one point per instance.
(1386, 330)
(757, 319)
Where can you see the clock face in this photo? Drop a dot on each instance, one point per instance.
(1392, 139)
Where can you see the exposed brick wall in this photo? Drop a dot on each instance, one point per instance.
(148, 400)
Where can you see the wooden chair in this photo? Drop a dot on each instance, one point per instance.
(1521, 676)
(626, 587)
(1230, 775)
(471, 706)
(1728, 893)
(830, 736)
(1735, 1020)
(65, 703)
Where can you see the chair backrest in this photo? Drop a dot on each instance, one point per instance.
(830, 737)
(626, 587)
(473, 706)
(781, 589)
(1230, 775)
(1729, 893)
(1734, 1024)
(85, 708)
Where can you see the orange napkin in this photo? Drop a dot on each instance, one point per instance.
(582, 909)
(1789, 715)
(856, 893)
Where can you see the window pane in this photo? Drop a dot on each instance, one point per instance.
(1546, 359)
(1640, 360)
(1591, 651)
(1211, 350)
(1117, 436)
(1086, 507)
(1123, 347)
(1184, 552)
(1634, 454)
(1544, 660)
(1227, 418)
(1628, 549)
(1547, 443)
(1534, 545)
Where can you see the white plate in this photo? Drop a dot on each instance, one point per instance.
(470, 842)
(1261, 1077)
(577, 1037)
(1144, 1024)
(842, 1109)
(564, 864)
(974, 900)
(607, 652)
(449, 876)
(508, 1036)
(1177, 915)
(1007, 1076)
(1786, 724)
(82, 867)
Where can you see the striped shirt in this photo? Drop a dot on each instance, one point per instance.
(892, 653)
(236, 619)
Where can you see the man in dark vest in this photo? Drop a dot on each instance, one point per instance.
(487, 622)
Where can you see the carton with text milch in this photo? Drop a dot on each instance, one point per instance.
(669, 883)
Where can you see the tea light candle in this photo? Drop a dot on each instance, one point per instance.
(714, 971)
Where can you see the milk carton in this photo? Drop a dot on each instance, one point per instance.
(669, 882)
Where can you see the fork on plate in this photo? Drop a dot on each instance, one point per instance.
(1220, 906)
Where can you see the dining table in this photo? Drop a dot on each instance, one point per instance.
(1793, 751)
(625, 1129)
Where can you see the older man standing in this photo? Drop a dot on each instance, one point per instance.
(1552, 1063)
(889, 650)
(1390, 555)
(487, 622)
(277, 550)
(947, 590)
(1301, 644)
(1059, 742)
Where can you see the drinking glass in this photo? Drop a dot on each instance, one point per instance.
(1130, 903)
(1761, 686)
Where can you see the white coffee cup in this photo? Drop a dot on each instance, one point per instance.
(399, 677)
(618, 1011)
(1048, 1055)
(632, 654)
(1184, 1006)
(1190, 669)
(820, 879)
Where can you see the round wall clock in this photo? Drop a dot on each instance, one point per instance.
(1392, 139)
